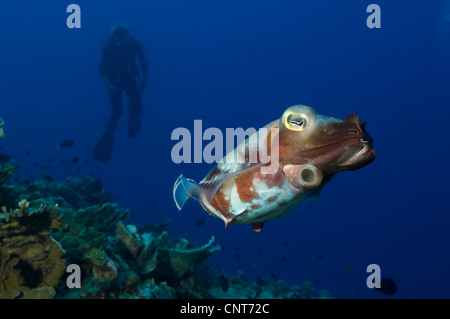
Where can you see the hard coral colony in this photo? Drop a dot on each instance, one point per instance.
(56, 224)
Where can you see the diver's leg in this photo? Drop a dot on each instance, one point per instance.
(104, 146)
(134, 107)
(116, 104)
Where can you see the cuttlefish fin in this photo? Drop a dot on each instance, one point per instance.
(211, 184)
(183, 189)
(257, 227)
(229, 217)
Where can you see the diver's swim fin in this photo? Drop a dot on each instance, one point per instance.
(103, 150)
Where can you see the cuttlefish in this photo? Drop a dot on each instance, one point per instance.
(280, 166)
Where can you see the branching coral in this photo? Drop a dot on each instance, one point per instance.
(144, 248)
(175, 262)
(30, 260)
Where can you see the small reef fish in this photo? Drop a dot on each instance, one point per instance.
(200, 222)
(312, 148)
(66, 143)
(387, 286)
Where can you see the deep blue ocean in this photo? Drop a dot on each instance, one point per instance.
(241, 64)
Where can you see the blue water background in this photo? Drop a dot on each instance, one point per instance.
(240, 64)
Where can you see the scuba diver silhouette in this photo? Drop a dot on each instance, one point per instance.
(119, 71)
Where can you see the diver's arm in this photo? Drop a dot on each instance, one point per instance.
(111, 87)
(103, 71)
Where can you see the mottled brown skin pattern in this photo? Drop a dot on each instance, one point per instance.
(244, 184)
(246, 193)
(220, 203)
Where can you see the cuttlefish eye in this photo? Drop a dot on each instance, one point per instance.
(295, 122)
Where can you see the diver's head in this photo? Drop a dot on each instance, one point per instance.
(119, 30)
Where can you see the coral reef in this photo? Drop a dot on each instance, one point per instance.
(101, 218)
(2, 135)
(30, 260)
(179, 260)
(75, 193)
(6, 169)
(75, 222)
(5, 172)
(151, 290)
(266, 289)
